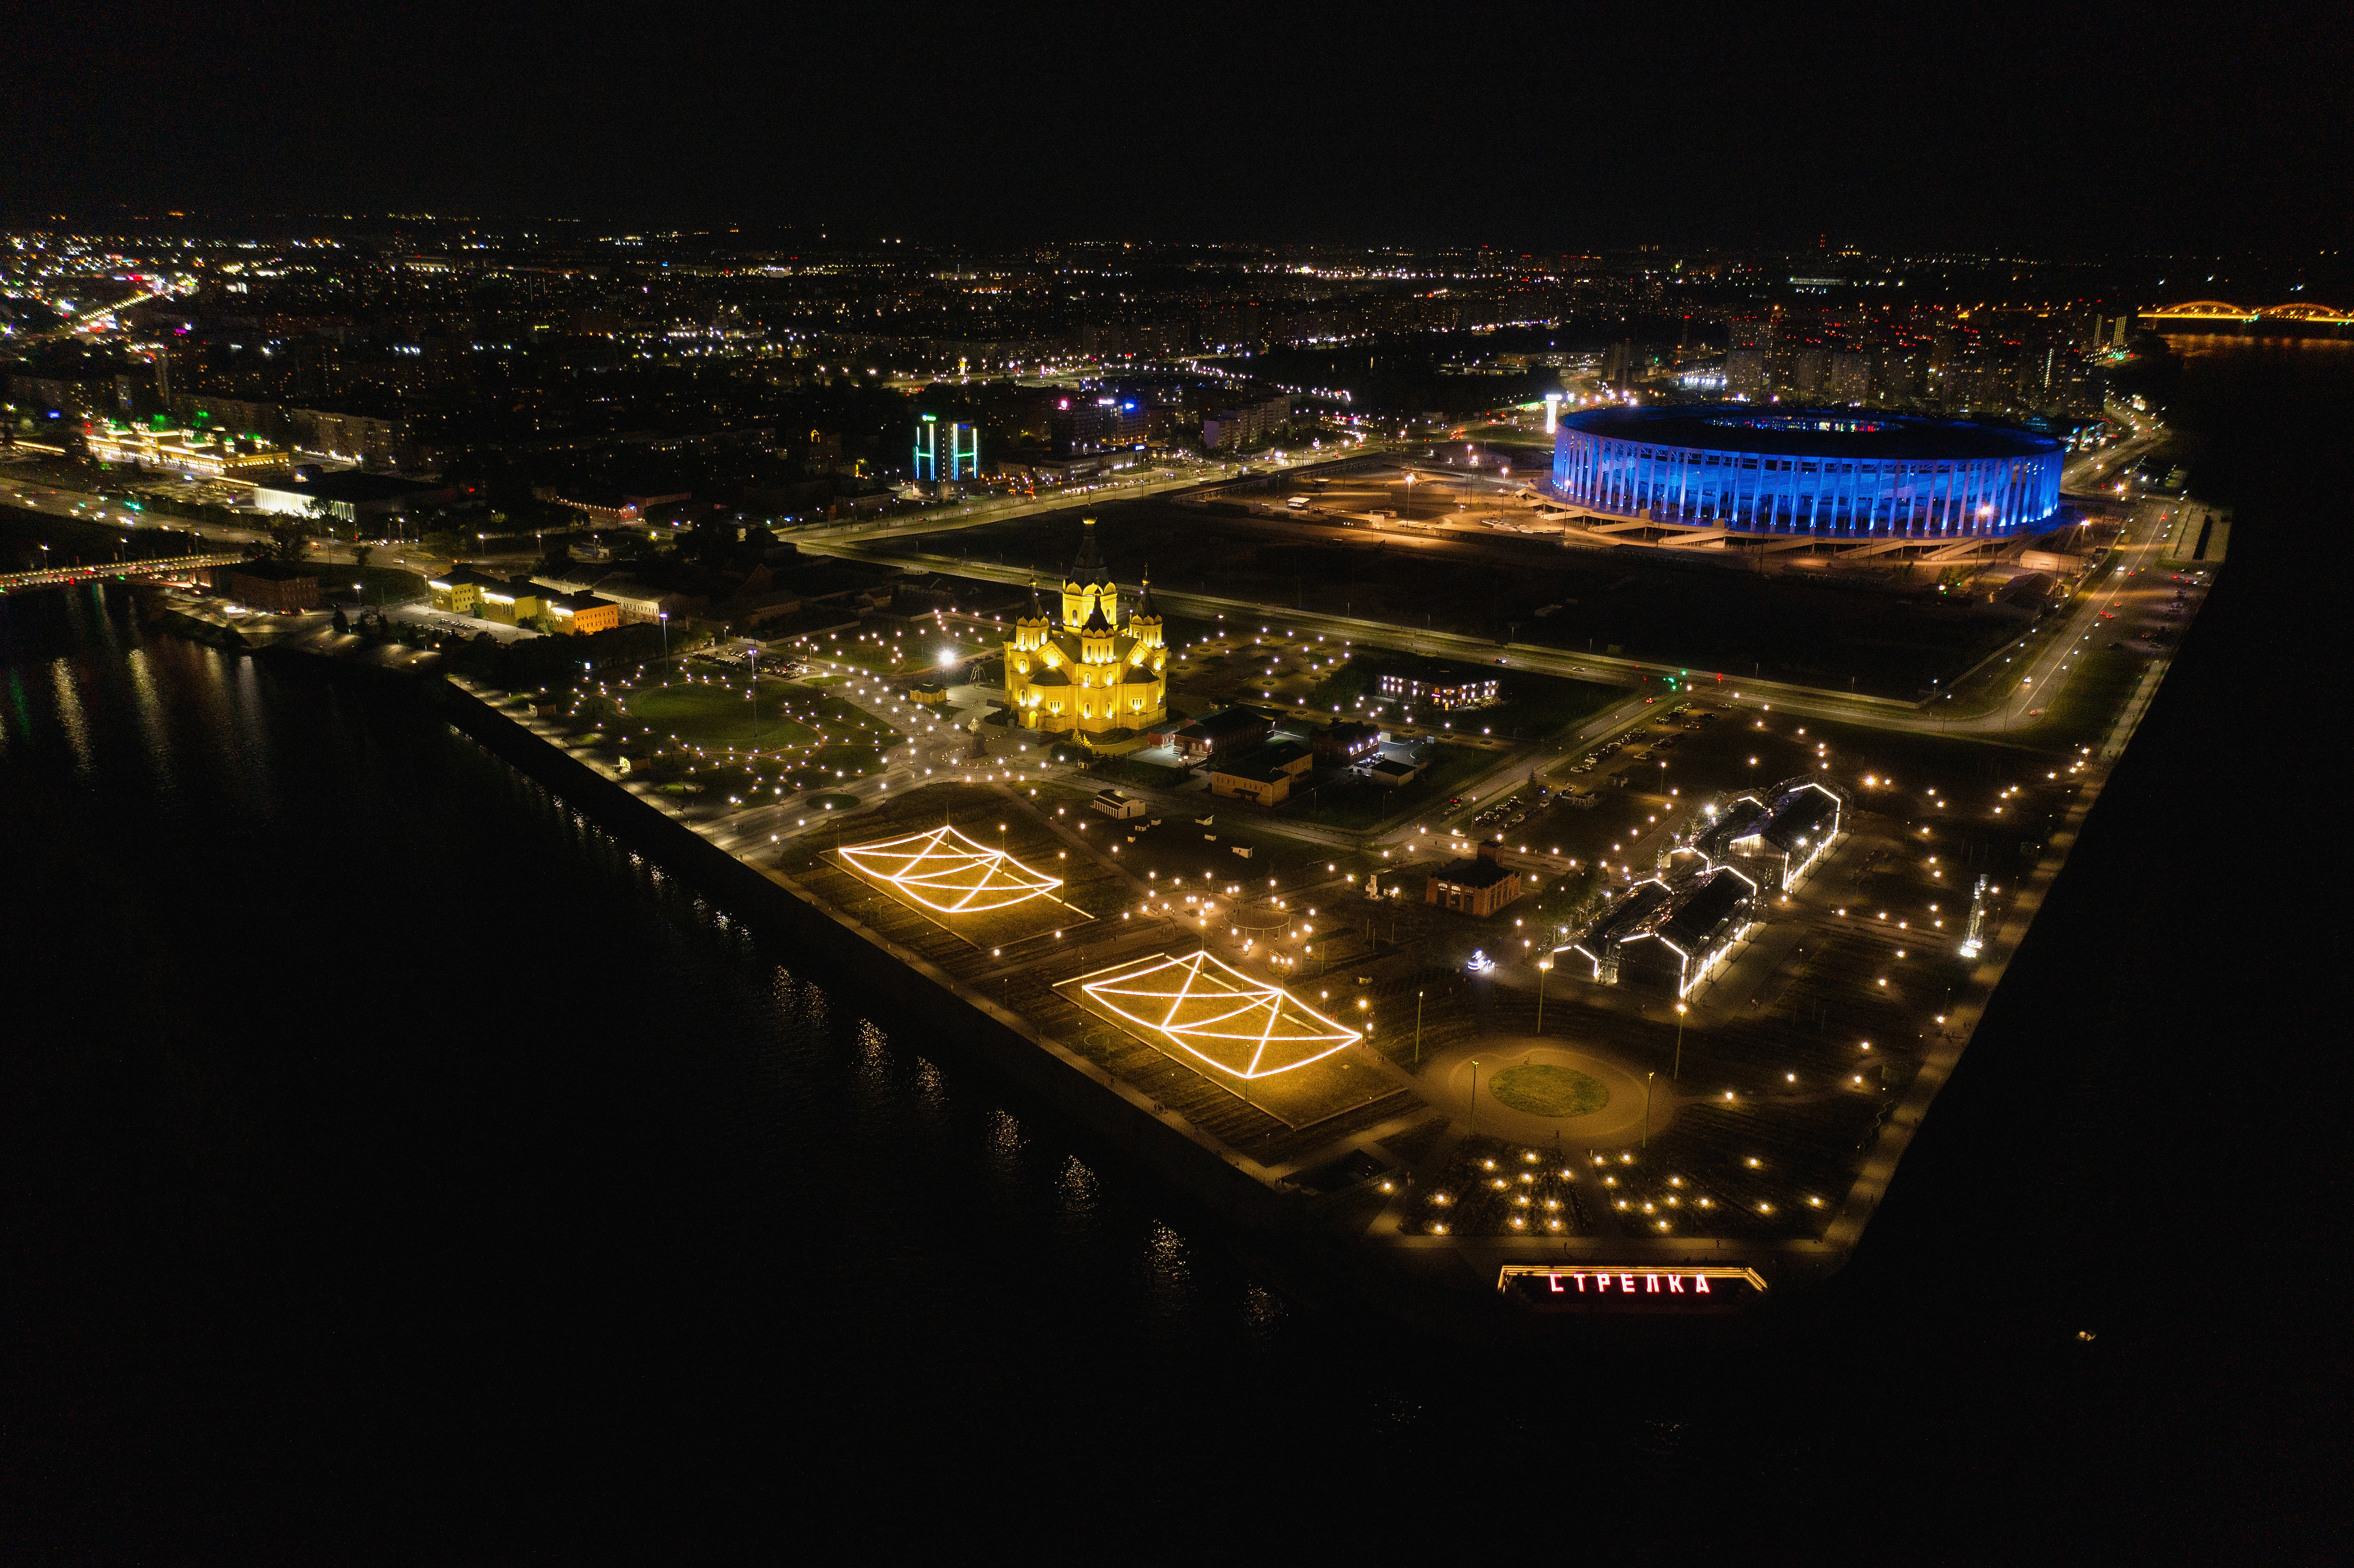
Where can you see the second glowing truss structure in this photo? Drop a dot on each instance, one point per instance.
(1215, 1012)
(943, 870)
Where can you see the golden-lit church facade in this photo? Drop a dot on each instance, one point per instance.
(1086, 673)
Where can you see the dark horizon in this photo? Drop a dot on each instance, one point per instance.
(2112, 130)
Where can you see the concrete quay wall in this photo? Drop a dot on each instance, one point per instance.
(1273, 1230)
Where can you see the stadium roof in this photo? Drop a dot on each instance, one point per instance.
(1858, 434)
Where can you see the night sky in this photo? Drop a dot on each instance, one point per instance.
(2095, 127)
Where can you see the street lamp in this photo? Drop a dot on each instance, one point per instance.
(1545, 968)
(1646, 1108)
(663, 616)
(1678, 1072)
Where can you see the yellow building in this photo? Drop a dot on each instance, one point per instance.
(582, 614)
(1086, 675)
(459, 590)
(515, 601)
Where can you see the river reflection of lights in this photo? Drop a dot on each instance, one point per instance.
(1216, 1013)
(946, 871)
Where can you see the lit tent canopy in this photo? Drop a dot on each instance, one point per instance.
(1215, 1012)
(944, 869)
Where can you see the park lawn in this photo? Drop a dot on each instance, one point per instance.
(865, 655)
(728, 786)
(852, 757)
(1541, 1088)
(1142, 775)
(2095, 692)
(699, 713)
(840, 718)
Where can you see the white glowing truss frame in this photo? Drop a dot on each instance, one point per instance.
(946, 871)
(1210, 1009)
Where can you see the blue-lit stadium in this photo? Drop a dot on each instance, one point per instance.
(1831, 473)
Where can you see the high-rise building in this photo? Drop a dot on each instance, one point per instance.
(961, 457)
(1083, 427)
(1237, 425)
(1851, 377)
(1231, 326)
(1745, 373)
(1810, 373)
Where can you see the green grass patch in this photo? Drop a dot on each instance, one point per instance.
(718, 714)
(1143, 775)
(1540, 1089)
(2095, 693)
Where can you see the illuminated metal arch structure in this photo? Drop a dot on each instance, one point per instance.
(942, 869)
(1218, 1014)
(2222, 311)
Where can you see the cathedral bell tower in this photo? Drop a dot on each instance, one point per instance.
(1144, 625)
(1088, 585)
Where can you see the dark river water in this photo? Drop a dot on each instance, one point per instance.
(397, 1166)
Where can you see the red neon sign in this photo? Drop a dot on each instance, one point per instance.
(1630, 1287)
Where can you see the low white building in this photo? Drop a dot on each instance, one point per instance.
(347, 495)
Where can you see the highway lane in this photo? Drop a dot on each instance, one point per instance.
(1608, 669)
(1887, 713)
(974, 514)
(24, 491)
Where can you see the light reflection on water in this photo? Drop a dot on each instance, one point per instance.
(576, 1036)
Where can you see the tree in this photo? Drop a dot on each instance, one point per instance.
(360, 555)
(343, 622)
(708, 543)
(287, 535)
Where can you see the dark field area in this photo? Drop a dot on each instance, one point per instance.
(1885, 633)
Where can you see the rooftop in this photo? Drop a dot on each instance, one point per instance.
(1797, 816)
(1476, 872)
(1227, 721)
(350, 484)
(1852, 433)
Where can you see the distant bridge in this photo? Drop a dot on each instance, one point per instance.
(60, 577)
(2218, 311)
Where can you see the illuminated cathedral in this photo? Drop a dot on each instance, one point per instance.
(1086, 675)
